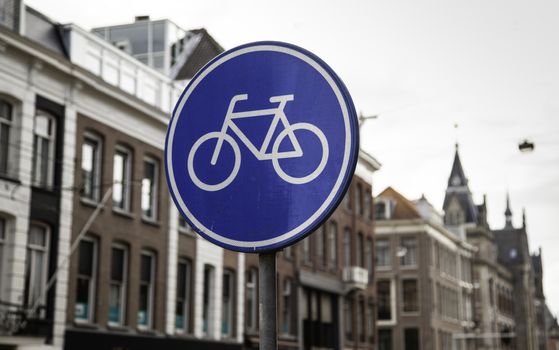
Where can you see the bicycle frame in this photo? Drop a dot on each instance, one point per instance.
(279, 116)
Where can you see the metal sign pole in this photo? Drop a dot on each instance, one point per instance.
(268, 301)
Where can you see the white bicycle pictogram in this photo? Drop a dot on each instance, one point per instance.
(260, 153)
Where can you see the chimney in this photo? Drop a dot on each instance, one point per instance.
(141, 18)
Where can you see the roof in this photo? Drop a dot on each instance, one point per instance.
(401, 207)
(458, 188)
(511, 245)
(44, 31)
(205, 50)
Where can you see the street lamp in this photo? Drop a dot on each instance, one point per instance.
(526, 146)
(363, 119)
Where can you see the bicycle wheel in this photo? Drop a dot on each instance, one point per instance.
(324, 159)
(190, 163)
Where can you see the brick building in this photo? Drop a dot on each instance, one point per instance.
(325, 284)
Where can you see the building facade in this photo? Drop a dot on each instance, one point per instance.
(505, 296)
(93, 253)
(424, 277)
(326, 296)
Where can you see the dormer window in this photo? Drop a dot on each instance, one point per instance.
(383, 209)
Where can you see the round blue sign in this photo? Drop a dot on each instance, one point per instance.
(261, 147)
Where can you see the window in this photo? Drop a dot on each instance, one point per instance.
(360, 321)
(321, 246)
(184, 227)
(287, 307)
(410, 302)
(382, 253)
(2, 244)
(36, 265)
(348, 312)
(380, 210)
(6, 137)
(149, 188)
(384, 301)
(408, 252)
(44, 132)
(384, 339)
(91, 167)
(147, 278)
(332, 245)
(122, 174)
(347, 247)
(117, 292)
(227, 303)
(182, 307)
(251, 300)
(359, 250)
(371, 323)
(347, 200)
(367, 199)
(87, 280)
(411, 339)
(207, 302)
(306, 248)
(359, 200)
(288, 252)
(369, 257)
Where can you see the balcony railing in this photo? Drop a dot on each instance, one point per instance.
(119, 69)
(355, 277)
(18, 320)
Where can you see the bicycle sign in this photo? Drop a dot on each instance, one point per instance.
(260, 154)
(261, 147)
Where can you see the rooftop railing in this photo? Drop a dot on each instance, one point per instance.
(120, 69)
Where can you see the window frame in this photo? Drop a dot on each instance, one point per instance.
(321, 245)
(186, 228)
(417, 337)
(368, 204)
(92, 287)
(9, 122)
(123, 286)
(208, 286)
(349, 330)
(31, 250)
(391, 302)
(332, 238)
(231, 303)
(287, 312)
(97, 170)
(369, 264)
(51, 139)
(408, 302)
(127, 178)
(347, 247)
(186, 297)
(154, 196)
(151, 289)
(359, 249)
(359, 200)
(252, 284)
(402, 259)
(3, 241)
(306, 250)
(388, 248)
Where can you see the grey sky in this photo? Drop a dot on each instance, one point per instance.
(490, 66)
